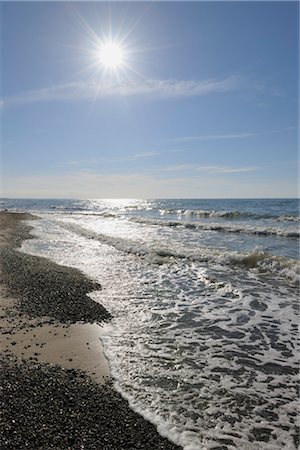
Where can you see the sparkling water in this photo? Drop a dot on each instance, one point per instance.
(204, 295)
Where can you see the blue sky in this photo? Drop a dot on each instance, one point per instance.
(206, 106)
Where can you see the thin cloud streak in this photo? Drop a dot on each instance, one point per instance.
(236, 169)
(211, 170)
(146, 155)
(211, 137)
(91, 90)
(208, 169)
(109, 160)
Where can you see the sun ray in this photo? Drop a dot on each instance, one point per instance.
(112, 51)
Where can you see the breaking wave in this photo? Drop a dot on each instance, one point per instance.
(261, 262)
(288, 219)
(208, 214)
(222, 228)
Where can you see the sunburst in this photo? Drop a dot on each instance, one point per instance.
(111, 55)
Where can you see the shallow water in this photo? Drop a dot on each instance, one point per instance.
(204, 338)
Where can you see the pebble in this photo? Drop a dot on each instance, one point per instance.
(47, 407)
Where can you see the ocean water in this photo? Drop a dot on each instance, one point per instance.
(205, 300)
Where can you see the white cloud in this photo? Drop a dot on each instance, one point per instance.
(178, 167)
(211, 137)
(207, 169)
(91, 90)
(236, 169)
(191, 168)
(94, 161)
(146, 154)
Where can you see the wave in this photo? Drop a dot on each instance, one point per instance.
(222, 228)
(69, 211)
(207, 214)
(288, 219)
(126, 245)
(261, 262)
(182, 213)
(204, 213)
(67, 208)
(224, 214)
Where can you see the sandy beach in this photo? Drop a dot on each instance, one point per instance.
(56, 388)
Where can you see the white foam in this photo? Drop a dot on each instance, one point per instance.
(195, 341)
(159, 253)
(223, 227)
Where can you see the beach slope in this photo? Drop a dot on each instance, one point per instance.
(56, 389)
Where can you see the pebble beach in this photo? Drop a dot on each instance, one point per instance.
(56, 390)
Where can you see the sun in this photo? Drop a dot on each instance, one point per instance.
(111, 55)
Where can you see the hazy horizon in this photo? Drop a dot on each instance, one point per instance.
(157, 198)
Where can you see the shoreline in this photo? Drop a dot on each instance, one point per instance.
(51, 334)
(34, 325)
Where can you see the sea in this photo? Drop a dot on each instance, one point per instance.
(204, 296)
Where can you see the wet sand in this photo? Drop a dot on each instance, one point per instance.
(42, 338)
(55, 378)
(76, 346)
